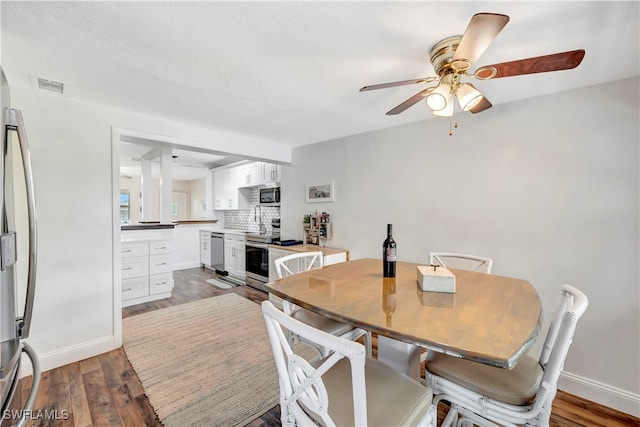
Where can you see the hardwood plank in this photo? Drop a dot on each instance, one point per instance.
(101, 404)
(130, 414)
(79, 404)
(587, 413)
(89, 365)
(42, 401)
(59, 399)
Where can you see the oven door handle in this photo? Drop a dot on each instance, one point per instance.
(257, 245)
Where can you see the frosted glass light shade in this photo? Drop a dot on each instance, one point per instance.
(438, 99)
(468, 96)
(447, 111)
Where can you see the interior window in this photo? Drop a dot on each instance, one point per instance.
(125, 218)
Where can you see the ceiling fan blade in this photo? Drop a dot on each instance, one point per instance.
(480, 33)
(484, 104)
(540, 64)
(400, 83)
(411, 101)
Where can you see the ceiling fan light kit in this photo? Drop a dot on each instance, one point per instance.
(468, 96)
(453, 56)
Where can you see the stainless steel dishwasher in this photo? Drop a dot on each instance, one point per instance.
(217, 252)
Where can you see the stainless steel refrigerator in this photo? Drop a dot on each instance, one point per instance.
(18, 243)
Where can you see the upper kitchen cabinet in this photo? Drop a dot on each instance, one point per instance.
(271, 173)
(231, 184)
(226, 193)
(250, 175)
(258, 173)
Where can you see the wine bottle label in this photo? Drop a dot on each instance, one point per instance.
(391, 254)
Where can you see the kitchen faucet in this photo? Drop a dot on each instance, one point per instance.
(263, 228)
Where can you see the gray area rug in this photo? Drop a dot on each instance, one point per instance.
(205, 363)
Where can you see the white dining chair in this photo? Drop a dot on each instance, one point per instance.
(446, 259)
(485, 395)
(461, 261)
(346, 388)
(295, 263)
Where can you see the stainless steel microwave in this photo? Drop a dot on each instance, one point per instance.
(270, 196)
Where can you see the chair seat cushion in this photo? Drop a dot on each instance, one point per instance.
(393, 399)
(517, 386)
(318, 321)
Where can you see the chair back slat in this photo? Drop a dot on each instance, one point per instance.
(296, 263)
(302, 390)
(462, 261)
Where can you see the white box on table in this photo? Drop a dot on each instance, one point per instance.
(436, 279)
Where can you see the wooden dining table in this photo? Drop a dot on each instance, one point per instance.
(489, 319)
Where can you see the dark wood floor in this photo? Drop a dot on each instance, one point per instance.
(104, 391)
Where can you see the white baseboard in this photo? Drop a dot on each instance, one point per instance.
(64, 356)
(185, 265)
(604, 394)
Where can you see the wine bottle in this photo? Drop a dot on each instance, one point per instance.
(389, 254)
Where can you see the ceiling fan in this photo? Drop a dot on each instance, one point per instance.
(453, 57)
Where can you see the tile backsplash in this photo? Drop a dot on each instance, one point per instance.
(250, 219)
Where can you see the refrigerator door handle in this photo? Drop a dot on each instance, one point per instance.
(33, 394)
(14, 122)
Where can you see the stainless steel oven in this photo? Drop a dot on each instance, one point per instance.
(257, 263)
(257, 256)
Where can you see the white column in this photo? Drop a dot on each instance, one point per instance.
(166, 186)
(147, 191)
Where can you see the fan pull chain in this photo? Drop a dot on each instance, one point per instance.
(453, 122)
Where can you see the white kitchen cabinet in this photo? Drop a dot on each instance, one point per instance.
(205, 248)
(234, 255)
(271, 173)
(250, 175)
(147, 271)
(226, 193)
(160, 283)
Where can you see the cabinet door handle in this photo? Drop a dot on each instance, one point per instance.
(126, 251)
(160, 284)
(127, 290)
(128, 268)
(162, 247)
(158, 265)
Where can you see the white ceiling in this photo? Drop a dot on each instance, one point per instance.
(290, 71)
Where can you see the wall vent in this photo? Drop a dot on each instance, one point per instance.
(50, 85)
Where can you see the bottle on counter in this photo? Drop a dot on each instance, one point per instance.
(389, 254)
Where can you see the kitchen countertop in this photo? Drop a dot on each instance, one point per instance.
(226, 230)
(146, 226)
(311, 248)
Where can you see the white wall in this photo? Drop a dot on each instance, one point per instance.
(549, 188)
(76, 311)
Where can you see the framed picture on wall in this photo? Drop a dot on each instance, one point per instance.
(320, 192)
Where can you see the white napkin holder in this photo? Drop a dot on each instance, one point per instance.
(436, 279)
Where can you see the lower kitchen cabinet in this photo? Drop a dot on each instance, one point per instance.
(205, 248)
(147, 271)
(234, 255)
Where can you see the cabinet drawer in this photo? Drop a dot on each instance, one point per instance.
(135, 288)
(135, 266)
(160, 264)
(134, 249)
(159, 283)
(162, 247)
